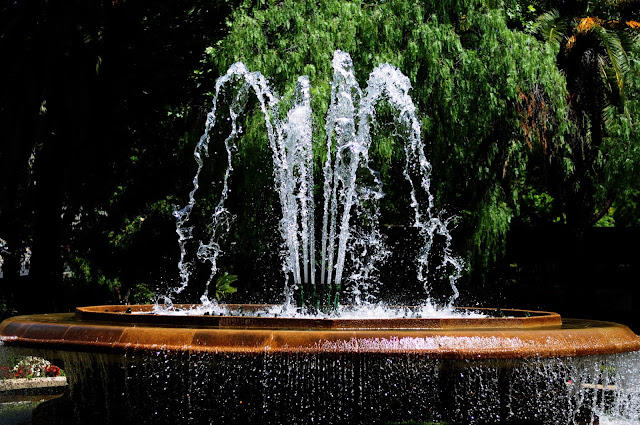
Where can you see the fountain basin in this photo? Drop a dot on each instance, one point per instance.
(519, 334)
(139, 368)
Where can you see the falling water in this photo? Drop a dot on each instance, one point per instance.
(350, 233)
(181, 387)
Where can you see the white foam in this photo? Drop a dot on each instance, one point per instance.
(371, 311)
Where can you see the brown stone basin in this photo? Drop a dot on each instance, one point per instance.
(127, 366)
(120, 329)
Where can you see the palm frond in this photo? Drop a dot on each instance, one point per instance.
(616, 53)
(603, 67)
(610, 115)
(552, 27)
(627, 38)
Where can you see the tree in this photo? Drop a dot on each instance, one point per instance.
(96, 97)
(46, 110)
(597, 66)
(597, 51)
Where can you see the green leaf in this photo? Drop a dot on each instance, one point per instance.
(552, 27)
(223, 285)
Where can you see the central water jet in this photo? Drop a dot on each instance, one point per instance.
(350, 232)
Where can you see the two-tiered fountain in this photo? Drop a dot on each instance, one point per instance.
(313, 358)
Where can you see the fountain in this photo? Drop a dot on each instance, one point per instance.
(331, 353)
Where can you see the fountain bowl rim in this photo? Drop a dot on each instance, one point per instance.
(143, 314)
(113, 333)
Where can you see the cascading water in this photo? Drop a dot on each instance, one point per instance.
(350, 232)
(372, 390)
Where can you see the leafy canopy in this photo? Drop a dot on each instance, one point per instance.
(489, 97)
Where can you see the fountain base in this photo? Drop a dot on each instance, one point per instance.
(126, 368)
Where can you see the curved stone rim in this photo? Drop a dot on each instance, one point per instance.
(571, 338)
(142, 314)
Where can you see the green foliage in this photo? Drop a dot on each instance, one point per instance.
(141, 293)
(623, 129)
(100, 109)
(125, 236)
(599, 59)
(493, 219)
(82, 269)
(621, 146)
(223, 285)
(552, 27)
(523, 15)
(5, 310)
(474, 80)
(537, 207)
(607, 220)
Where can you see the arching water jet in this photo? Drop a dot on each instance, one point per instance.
(350, 233)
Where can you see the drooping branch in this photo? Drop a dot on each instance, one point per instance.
(602, 211)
